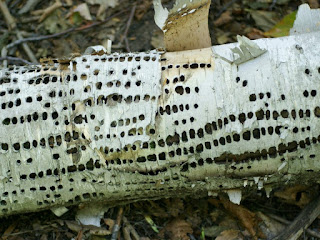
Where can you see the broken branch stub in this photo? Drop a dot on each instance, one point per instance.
(185, 27)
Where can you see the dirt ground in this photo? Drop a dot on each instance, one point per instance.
(55, 29)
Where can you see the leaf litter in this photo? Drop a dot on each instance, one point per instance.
(256, 217)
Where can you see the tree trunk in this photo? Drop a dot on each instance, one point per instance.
(127, 127)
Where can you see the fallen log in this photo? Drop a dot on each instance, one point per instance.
(126, 127)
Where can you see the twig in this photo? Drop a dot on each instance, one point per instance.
(46, 12)
(272, 5)
(9, 230)
(124, 37)
(225, 7)
(44, 37)
(7, 16)
(116, 227)
(15, 59)
(12, 25)
(286, 222)
(129, 230)
(27, 49)
(28, 6)
(302, 221)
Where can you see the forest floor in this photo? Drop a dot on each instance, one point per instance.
(61, 28)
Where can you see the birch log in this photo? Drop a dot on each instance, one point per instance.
(126, 127)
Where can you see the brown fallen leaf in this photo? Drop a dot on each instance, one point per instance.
(255, 34)
(174, 206)
(142, 8)
(248, 219)
(225, 18)
(230, 235)
(313, 4)
(299, 195)
(177, 229)
(76, 227)
(109, 222)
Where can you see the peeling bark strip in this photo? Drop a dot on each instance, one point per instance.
(185, 27)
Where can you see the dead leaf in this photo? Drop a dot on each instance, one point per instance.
(142, 8)
(299, 195)
(230, 235)
(247, 218)
(55, 22)
(214, 231)
(103, 6)
(223, 19)
(255, 34)
(82, 10)
(314, 4)
(44, 237)
(215, 215)
(229, 222)
(75, 227)
(109, 222)
(174, 206)
(264, 20)
(177, 229)
(222, 36)
(282, 28)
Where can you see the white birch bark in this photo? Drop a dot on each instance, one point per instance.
(127, 127)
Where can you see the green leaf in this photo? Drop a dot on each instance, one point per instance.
(151, 223)
(282, 28)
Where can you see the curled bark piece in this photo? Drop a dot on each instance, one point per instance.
(185, 27)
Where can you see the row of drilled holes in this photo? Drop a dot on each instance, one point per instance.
(245, 83)
(313, 93)
(7, 80)
(175, 108)
(34, 117)
(111, 84)
(56, 172)
(180, 90)
(175, 139)
(29, 100)
(256, 133)
(176, 79)
(10, 91)
(131, 132)
(170, 140)
(115, 98)
(123, 58)
(126, 122)
(242, 116)
(43, 79)
(258, 155)
(52, 141)
(260, 114)
(183, 121)
(187, 66)
(77, 198)
(253, 96)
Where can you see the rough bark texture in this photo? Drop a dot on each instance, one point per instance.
(126, 127)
